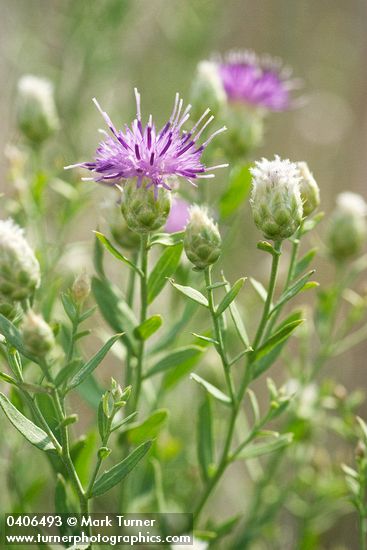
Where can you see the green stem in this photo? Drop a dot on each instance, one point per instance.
(236, 402)
(130, 301)
(144, 244)
(99, 459)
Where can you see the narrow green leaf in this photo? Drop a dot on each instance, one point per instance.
(68, 371)
(30, 431)
(363, 426)
(102, 420)
(118, 425)
(115, 311)
(175, 329)
(236, 191)
(8, 379)
(265, 362)
(164, 268)
(205, 339)
(292, 291)
(213, 390)
(109, 246)
(239, 324)
(93, 363)
(167, 239)
(230, 296)
(14, 338)
(149, 327)
(205, 438)
(260, 449)
(98, 257)
(278, 337)
(191, 293)
(69, 306)
(267, 247)
(117, 473)
(304, 262)
(254, 405)
(150, 427)
(174, 359)
(173, 376)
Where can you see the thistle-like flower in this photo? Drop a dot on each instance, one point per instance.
(37, 334)
(207, 89)
(202, 240)
(144, 153)
(19, 268)
(348, 227)
(36, 109)
(257, 81)
(276, 199)
(310, 191)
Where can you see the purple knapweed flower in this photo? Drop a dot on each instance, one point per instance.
(142, 152)
(258, 81)
(178, 216)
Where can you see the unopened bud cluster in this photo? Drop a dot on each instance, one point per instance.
(81, 288)
(202, 240)
(145, 209)
(348, 228)
(36, 110)
(310, 192)
(276, 198)
(19, 268)
(37, 335)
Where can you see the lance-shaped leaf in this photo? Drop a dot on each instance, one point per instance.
(117, 473)
(230, 296)
(239, 324)
(191, 293)
(167, 239)
(277, 338)
(164, 268)
(261, 291)
(109, 246)
(213, 390)
(304, 262)
(269, 358)
(205, 438)
(30, 431)
(115, 310)
(148, 327)
(93, 363)
(292, 291)
(150, 427)
(259, 449)
(14, 338)
(175, 359)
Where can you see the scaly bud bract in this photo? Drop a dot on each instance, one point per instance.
(19, 268)
(276, 199)
(348, 229)
(202, 240)
(310, 192)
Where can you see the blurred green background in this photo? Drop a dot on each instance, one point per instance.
(105, 48)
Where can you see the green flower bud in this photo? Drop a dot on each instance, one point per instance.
(19, 268)
(36, 110)
(37, 334)
(347, 230)
(123, 235)
(276, 199)
(310, 192)
(202, 240)
(145, 209)
(81, 287)
(207, 90)
(245, 130)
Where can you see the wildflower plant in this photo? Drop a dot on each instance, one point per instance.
(185, 346)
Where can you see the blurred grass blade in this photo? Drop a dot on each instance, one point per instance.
(150, 427)
(260, 449)
(175, 358)
(205, 438)
(236, 191)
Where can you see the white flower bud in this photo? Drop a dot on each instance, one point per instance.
(207, 89)
(310, 192)
(36, 109)
(348, 228)
(202, 240)
(37, 334)
(276, 199)
(19, 268)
